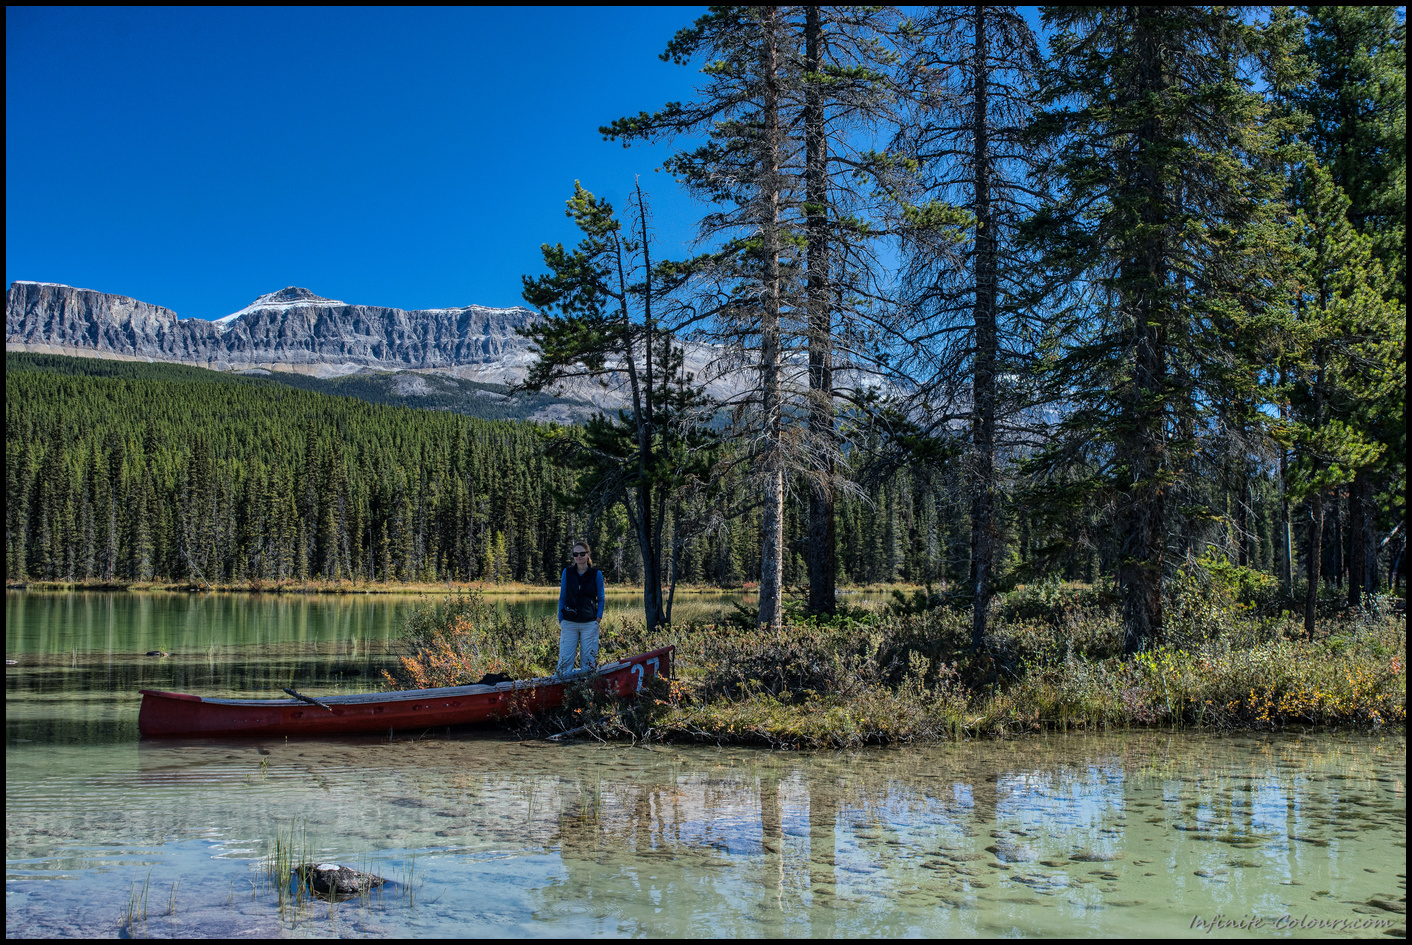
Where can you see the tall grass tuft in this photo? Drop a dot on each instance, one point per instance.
(136, 909)
(285, 851)
(459, 639)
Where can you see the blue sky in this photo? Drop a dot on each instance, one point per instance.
(417, 158)
(198, 158)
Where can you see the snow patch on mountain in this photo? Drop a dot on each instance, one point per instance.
(59, 285)
(286, 298)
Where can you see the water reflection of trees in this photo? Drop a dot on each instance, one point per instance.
(787, 834)
(699, 842)
(82, 656)
(777, 819)
(787, 844)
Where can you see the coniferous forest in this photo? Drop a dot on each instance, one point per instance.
(129, 472)
(1122, 304)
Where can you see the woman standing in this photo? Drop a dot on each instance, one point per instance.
(580, 609)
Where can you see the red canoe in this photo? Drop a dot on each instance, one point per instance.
(177, 715)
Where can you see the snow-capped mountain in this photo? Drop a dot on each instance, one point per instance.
(292, 329)
(291, 297)
(298, 331)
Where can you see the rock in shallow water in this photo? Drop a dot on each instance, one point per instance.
(334, 881)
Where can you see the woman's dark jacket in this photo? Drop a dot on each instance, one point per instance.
(581, 595)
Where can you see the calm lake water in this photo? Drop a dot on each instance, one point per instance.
(1141, 834)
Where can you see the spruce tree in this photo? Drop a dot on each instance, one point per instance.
(784, 89)
(1347, 364)
(1356, 101)
(849, 93)
(746, 288)
(17, 506)
(1170, 256)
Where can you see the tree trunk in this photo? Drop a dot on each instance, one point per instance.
(983, 384)
(649, 540)
(1357, 546)
(1243, 517)
(1316, 505)
(1367, 488)
(1314, 561)
(1283, 542)
(772, 519)
(1143, 517)
(1336, 545)
(821, 554)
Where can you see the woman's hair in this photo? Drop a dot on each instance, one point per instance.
(584, 546)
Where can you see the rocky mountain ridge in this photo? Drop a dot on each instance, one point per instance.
(291, 330)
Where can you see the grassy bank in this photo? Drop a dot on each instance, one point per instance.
(1053, 663)
(345, 587)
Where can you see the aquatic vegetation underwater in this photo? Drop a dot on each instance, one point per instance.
(1053, 661)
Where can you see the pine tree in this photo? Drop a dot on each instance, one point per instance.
(143, 556)
(822, 561)
(497, 565)
(975, 74)
(606, 289)
(17, 507)
(848, 91)
(791, 251)
(749, 51)
(1170, 257)
(1356, 99)
(1349, 365)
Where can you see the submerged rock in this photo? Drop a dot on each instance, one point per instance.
(1007, 852)
(334, 881)
(1089, 856)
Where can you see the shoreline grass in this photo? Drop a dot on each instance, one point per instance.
(1053, 663)
(355, 587)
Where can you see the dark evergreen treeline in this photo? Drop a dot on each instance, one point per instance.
(429, 392)
(172, 473)
(192, 475)
(216, 480)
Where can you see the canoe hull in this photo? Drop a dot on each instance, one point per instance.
(178, 715)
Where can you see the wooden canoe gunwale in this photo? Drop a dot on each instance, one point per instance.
(403, 695)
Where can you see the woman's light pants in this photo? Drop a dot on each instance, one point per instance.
(581, 637)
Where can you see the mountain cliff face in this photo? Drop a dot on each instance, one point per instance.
(292, 329)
